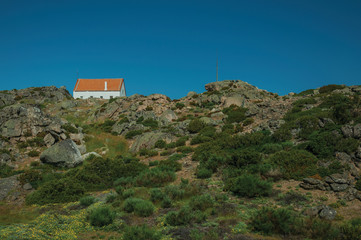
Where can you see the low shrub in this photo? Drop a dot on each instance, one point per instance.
(155, 177)
(87, 201)
(358, 185)
(33, 153)
(268, 220)
(56, 191)
(200, 139)
(185, 149)
(6, 170)
(166, 202)
(249, 186)
(160, 144)
(295, 164)
(202, 202)
(141, 232)
(203, 173)
(235, 114)
(140, 207)
(31, 176)
(133, 133)
(329, 88)
(195, 126)
(101, 216)
(156, 195)
(174, 192)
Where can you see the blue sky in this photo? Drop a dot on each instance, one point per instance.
(170, 47)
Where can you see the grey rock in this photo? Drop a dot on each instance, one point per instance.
(82, 148)
(191, 94)
(27, 186)
(64, 153)
(208, 121)
(327, 213)
(49, 140)
(312, 211)
(339, 178)
(68, 104)
(347, 130)
(148, 139)
(336, 187)
(12, 128)
(168, 116)
(85, 156)
(4, 158)
(8, 185)
(357, 131)
(343, 157)
(350, 194)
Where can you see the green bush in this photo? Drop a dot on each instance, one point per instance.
(170, 165)
(133, 133)
(33, 153)
(185, 149)
(348, 145)
(6, 170)
(128, 193)
(203, 173)
(156, 195)
(166, 202)
(201, 203)
(235, 114)
(69, 128)
(351, 229)
(155, 177)
(329, 88)
(181, 217)
(160, 144)
(56, 191)
(101, 216)
(179, 105)
(269, 148)
(195, 126)
(249, 186)
(107, 125)
(150, 123)
(358, 185)
(140, 207)
(87, 201)
(181, 141)
(31, 176)
(141, 232)
(200, 139)
(174, 192)
(295, 164)
(208, 131)
(248, 121)
(244, 157)
(278, 221)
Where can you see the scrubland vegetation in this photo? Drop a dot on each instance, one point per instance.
(233, 192)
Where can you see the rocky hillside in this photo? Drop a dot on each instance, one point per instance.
(233, 162)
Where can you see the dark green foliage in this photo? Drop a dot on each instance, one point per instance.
(147, 152)
(33, 153)
(269, 148)
(282, 134)
(201, 203)
(150, 123)
(6, 170)
(306, 92)
(101, 216)
(166, 202)
(208, 131)
(181, 141)
(307, 125)
(195, 126)
(200, 139)
(249, 186)
(87, 201)
(348, 145)
(304, 101)
(248, 121)
(351, 230)
(133, 133)
(358, 185)
(36, 142)
(141, 232)
(56, 191)
(295, 164)
(140, 207)
(128, 193)
(244, 157)
(31, 176)
(268, 220)
(160, 144)
(334, 167)
(329, 88)
(322, 144)
(203, 173)
(185, 149)
(70, 128)
(170, 165)
(124, 181)
(292, 198)
(156, 195)
(181, 217)
(174, 192)
(179, 105)
(107, 125)
(235, 114)
(176, 157)
(155, 177)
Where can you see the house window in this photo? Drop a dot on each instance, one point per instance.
(101, 97)
(81, 97)
(111, 96)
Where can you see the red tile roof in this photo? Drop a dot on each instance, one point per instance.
(113, 84)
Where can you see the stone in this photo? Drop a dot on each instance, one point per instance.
(63, 154)
(11, 128)
(312, 183)
(27, 186)
(85, 156)
(357, 131)
(238, 101)
(169, 116)
(4, 158)
(347, 131)
(208, 121)
(343, 157)
(312, 211)
(339, 178)
(68, 104)
(191, 94)
(148, 139)
(8, 185)
(327, 213)
(49, 140)
(336, 187)
(82, 148)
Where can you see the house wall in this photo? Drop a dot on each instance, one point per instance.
(99, 94)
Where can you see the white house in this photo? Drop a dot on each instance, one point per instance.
(99, 88)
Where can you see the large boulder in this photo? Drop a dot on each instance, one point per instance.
(63, 154)
(8, 186)
(147, 140)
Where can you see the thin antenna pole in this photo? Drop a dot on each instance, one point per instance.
(217, 67)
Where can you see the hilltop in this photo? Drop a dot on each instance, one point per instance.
(233, 162)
